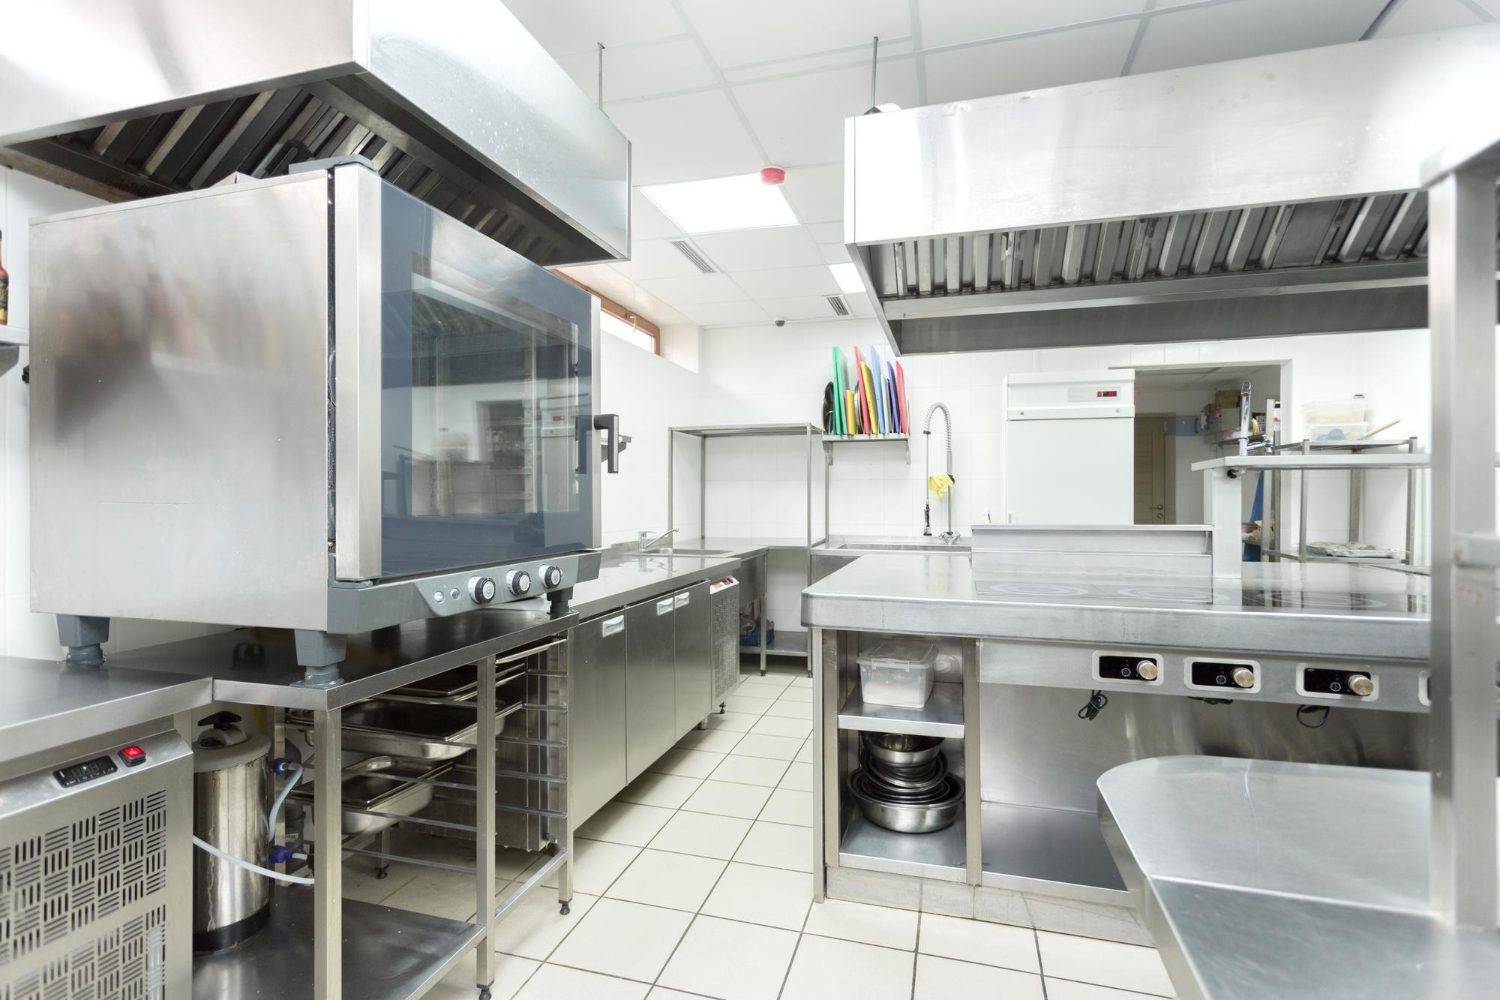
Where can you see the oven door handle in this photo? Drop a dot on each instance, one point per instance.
(614, 443)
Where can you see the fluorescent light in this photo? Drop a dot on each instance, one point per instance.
(722, 203)
(847, 275)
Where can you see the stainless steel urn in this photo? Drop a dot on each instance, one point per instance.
(231, 797)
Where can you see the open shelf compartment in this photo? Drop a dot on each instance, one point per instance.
(1024, 845)
(943, 715)
(873, 848)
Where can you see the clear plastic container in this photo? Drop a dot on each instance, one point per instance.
(1333, 411)
(898, 672)
(1338, 432)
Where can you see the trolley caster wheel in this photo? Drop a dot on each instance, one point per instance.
(382, 872)
(565, 909)
(484, 993)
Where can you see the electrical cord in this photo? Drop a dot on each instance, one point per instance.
(1091, 709)
(1308, 711)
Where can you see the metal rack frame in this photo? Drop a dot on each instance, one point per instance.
(315, 934)
(811, 433)
(1356, 494)
(1461, 304)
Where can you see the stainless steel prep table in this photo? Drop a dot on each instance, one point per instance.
(259, 667)
(49, 704)
(1026, 651)
(1313, 609)
(1266, 879)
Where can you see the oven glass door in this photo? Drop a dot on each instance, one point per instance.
(486, 412)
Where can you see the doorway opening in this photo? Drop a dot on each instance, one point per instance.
(1189, 414)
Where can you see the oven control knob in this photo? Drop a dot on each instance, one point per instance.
(1147, 670)
(518, 582)
(482, 589)
(1361, 685)
(1243, 677)
(552, 577)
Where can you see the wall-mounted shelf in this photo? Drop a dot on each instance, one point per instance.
(903, 439)
(942, 716)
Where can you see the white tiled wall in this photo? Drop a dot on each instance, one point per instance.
(767, 374)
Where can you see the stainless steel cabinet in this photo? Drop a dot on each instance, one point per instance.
(598, 709)
(694, 657)
(650, 683)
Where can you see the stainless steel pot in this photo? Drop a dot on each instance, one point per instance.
(231, 797)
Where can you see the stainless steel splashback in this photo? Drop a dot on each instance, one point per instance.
(454, 102)
(1256, 197)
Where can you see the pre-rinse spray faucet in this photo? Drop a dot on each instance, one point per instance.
(939, 486)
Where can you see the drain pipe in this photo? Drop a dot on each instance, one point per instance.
(950, 535)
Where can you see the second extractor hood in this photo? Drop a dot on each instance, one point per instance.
(453, 101)
(1258, 197)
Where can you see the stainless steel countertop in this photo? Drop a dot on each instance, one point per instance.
(49, 703)
(1270, 879)
(1307, 609)
(259, 666)
(627, 577)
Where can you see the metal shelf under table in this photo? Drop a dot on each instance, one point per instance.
(1026, 846)
(387, 953)
(942, 716)
(938, 855)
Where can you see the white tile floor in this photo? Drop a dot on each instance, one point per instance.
(696, 882)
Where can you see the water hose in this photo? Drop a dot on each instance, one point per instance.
(293, 770)
(204, 845)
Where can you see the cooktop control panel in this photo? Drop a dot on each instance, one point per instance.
(1208, 674)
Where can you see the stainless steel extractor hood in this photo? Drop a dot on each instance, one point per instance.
(453, 101)
(1258, 197)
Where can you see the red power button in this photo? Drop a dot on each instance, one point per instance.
(133, 755)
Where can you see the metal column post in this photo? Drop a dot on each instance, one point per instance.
(1461, 308)
(671, 490)
(1411, 507)
(820, 822)
(973, 804)
(703, 490)
(564, 654)
(484, 825)
(328, 856)
(1302, 506)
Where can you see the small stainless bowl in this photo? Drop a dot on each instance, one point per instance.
(901, 750)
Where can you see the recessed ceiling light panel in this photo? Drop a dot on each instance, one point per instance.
(847, 275)
(720, 204)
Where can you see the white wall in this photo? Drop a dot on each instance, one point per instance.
(767, 373)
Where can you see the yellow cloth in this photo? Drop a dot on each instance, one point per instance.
(940, 485)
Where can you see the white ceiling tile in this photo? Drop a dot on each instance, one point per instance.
(687, 137)
(694, 290)
(647, 222)
(799, 307)
(785, 282)
(1030, 63)
(728, 314)
(827, 232)
(816, 193)
(859, 304)
(738, 33)
(1198, 35)
(579, 25)
(800, 119)
(834, 253)
(1413, 16)
(655, 259)
(758, 249)
(1493, 6)
(945, 22)
(642, 69)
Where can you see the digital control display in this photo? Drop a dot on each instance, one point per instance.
(77, 774)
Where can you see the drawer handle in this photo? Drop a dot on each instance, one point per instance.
(664, 606)
(613, 626)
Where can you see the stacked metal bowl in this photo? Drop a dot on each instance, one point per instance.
(903, 783)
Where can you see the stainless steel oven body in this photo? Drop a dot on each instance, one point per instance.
(311, 402)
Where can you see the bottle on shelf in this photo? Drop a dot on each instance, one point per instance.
(4, 285)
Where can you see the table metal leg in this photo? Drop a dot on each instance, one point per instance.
(565, 873)
(765, 597)
(328, 859)
(383, 866)
(484, 827)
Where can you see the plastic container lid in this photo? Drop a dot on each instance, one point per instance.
(900, 653)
